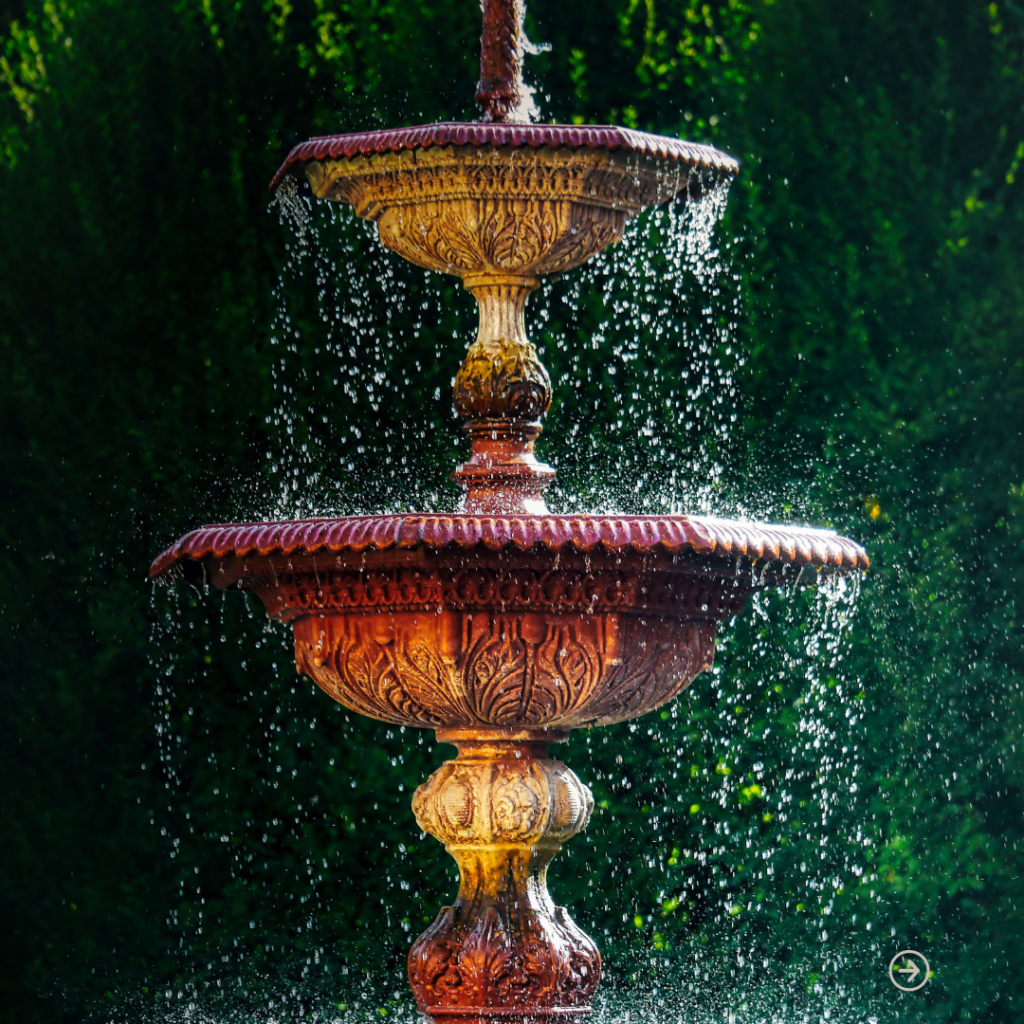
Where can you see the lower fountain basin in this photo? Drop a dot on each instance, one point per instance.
(502, 633)
(533, 623)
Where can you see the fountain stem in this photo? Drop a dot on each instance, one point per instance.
(503, 808)
(501, 391)
(500, 91)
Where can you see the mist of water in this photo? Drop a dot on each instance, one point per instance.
(659, 428)
(362, 424)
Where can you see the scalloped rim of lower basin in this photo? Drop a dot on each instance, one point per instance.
(671, 534)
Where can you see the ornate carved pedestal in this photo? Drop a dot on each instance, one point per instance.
(502, 633)
(503, 809)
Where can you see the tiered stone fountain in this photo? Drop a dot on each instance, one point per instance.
(504, 626)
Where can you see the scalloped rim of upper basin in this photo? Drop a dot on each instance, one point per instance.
(515, 136)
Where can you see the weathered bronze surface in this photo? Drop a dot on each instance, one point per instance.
(541, 622)
(504, 627)
(502, 633)
(700, 166)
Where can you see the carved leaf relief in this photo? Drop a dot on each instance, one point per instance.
(506, 669)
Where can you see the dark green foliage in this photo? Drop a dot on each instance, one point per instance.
(153, 757)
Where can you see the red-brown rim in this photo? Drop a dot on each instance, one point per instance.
(671, 534)
(517, 136)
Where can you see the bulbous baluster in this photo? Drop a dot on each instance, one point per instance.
(501, 391)
(503, 809)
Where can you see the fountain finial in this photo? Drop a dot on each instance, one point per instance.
(500, 92)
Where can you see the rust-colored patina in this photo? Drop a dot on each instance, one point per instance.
(505, 626)
(500, 218)
(576, 137)
(497, 623)
(503, 809)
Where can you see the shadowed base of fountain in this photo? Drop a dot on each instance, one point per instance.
(503, 809)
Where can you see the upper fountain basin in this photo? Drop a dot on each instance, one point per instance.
(503, 199)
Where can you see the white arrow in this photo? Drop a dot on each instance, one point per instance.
(913, 970)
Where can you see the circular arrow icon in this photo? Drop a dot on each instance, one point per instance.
(912, 965)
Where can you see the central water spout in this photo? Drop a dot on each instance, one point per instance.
(500, 92)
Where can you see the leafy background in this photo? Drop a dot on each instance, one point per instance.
(186, 823)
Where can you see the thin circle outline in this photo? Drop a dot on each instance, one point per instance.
(927, 970)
